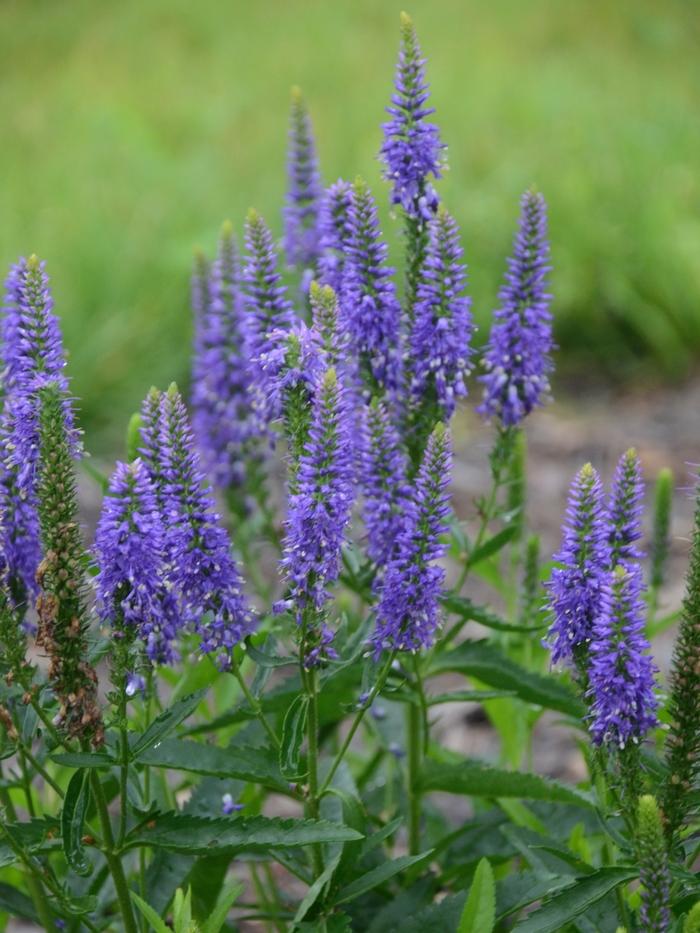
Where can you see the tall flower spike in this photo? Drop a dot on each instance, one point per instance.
(412, 150)
(269, 306)
(621, 673)
(324, 317)
(203, 570)
(61, 605)
(625, 511)
(408, 613)
(334, 225)
(370, 311)
(319, 511)
(683, 740)
(132, 595)
(383, 471)
(301, 212)
(655, 913)
(442, 327)
(225, 424)
(576, 587)
(660, 539)
(517, 359)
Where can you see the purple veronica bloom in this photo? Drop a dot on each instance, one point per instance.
(224, 421)
(412, 150)
(135, 683)
(294, 357)
(517, 359)
(383, 472)
(625, 511)
(621, 672)
(319, 511)
(334, 225)
(229, 806)
(202, 569)
(131, 555)
(408, 613)
(268, 305)
(442, 326)
(301, 220)
(370, 310)
(577, 585)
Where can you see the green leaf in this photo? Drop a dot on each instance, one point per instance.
(372, 879)
(473, 779)
(492, 667)
(149, 914)
(467, 696)
(32, 836)
(563, 908)
(16, 904)
(75, 806)
(293, 730)
(198, 835)
(479, 914)
(218, 916)
(492, 546)
(182, 911)
(245, 763)
(471, 612)
(164, 724)
(262, 659)
(84, 759)
(314, 892)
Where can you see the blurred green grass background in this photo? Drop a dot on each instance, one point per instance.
(131, 130)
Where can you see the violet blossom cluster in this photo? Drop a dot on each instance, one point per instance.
(411, 151)
(334, 226)
(304, 191)
(517, 358)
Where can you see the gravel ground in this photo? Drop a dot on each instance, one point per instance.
(665, 428)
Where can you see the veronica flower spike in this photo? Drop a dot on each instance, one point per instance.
(408, 614)
(132, 592)
(319, 511)
(625, 511)
(442, 327)
(334, 226)
(517, 358)
(301, 212)
(370, 310)
(576, 587)
(412, 150)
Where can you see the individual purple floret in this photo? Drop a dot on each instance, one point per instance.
(408, 613)
(131, 555)
(577, 585)
(383, 474)
(621, 672)
(319, 511)
(334, 224)
(442, 328)
(517, 359)
(203, 570)
(268, 304)
(370, 310)
(301, 212)
(223, 417)
(625, 511)
(412, 151)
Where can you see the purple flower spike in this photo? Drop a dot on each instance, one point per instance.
(576, 588)
(412, 151)
(301, 220)
(385, 487)
(203, 570)
(442, 328)
(370, 310)
(625, 511)
(268, 304)
(408, 614)
(621, 671)
(517, 359)
(131, 556)
(319, 511)
(334, 223)
(225, 423)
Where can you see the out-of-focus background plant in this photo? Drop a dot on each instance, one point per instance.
(131, 130)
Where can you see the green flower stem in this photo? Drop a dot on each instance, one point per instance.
(415, 747)
(39, 768)
(310, 680)
(113, 860)
(254, 703)
(143, 861)
(374, 692)
(124, 762)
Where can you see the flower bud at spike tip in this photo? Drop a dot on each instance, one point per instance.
(655, 912)
(625, 511)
